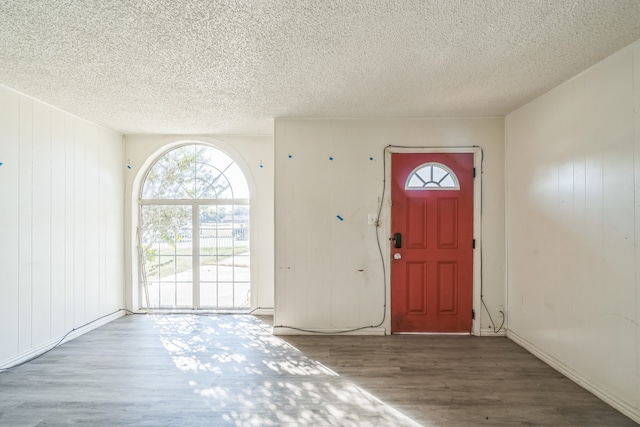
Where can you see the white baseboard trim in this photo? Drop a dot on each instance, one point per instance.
(262, 312)
(36, 351)
(622, 406)
(488, 332)
(283, 330)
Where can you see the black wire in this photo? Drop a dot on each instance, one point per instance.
(384, 267)
(382, 261)
(481, 207)
(147, 312)
(315, 331)
(57, 344)
(491, 319)
(482, 264)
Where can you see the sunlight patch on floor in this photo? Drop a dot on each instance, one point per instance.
(252, 378)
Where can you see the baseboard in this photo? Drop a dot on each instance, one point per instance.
(36, 351)
(262, 312)
(578, 378)
(488, 332)
(283, 330)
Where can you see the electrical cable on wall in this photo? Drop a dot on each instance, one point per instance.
(382, 261)
(495, 331)
(381, 252)
(59, 342)
(504, 318)
(145, 312)
(383, 264)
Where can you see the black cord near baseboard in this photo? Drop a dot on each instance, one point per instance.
(493, 325)
(382, 261)
(61, 340)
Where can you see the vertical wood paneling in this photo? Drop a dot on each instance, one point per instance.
(79, 235)
(58, 223)
(42, 244)
(70, 240)
(91, 210)
(25, 191)
(636, 146)
(53, 271)
(102, 247)
(112, 180)
(578, 226)
(9, 221)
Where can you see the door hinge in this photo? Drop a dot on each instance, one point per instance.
(474, 172)
(473, 243)
(473, 315)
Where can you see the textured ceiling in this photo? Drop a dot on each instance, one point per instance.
(205, 66)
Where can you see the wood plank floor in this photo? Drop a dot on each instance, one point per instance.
(228, 370)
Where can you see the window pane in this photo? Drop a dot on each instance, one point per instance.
(208, 294)
(212, 183)
(415, 181)
(224, 255)
(167, 254)
(438, 173)
(225, 295)
(171, 177)
(432, 176)
(448, 182)
(195, 172)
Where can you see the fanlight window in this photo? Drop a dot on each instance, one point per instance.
(195, 172)
(432, 176)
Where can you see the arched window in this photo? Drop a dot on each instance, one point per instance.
(194, 231)
(432, 176)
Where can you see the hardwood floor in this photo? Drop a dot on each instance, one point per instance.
(228, 370)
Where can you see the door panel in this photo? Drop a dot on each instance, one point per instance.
(447, 288)
(432, 281)
(416, 236)
(447, 223)
(416, 296)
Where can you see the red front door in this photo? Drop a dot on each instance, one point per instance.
(432, 269)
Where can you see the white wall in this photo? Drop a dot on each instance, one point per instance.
(250, 152)
(573, 228)
(318, 257)
(61, 247)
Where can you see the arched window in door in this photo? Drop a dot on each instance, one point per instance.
(194, 231)
(432, 176)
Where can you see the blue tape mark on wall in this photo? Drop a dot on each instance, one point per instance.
(370, 158)
(128, 166)
(261, 165)
(1, 163)
(290, 156)
(330, 157)
(339, 217)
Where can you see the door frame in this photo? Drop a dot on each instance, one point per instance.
(477, 223)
